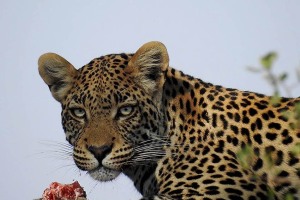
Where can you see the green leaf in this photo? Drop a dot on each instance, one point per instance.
(288, 196)
(283, 76)
(245, 156)
(296, 149)
(275, 99)
(268, 60)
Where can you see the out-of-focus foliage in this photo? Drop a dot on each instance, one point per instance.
(278, 83)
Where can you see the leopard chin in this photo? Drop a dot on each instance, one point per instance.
(103, 174)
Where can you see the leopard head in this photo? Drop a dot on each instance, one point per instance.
(111, 107)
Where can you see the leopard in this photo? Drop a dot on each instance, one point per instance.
(174, 136)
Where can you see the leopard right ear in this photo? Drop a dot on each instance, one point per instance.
(57, 73)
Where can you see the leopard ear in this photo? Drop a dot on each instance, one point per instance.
(147, 66)
(57, 73)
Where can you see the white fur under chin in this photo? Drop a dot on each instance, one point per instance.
(104, 174)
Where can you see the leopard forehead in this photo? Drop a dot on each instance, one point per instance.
(101, 80)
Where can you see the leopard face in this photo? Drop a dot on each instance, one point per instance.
(110, 108)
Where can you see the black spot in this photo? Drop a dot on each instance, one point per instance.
(216, 107)
(210, 97)
(222, 168)
(216, 176)
(231, 153)
(265, 116)
(220, 147)
(193, 160)
(197, 85)
(212, 188)
(256, 151)
(271, 114)
(279, 159)
(179, 175)
(259, 124)
(124, 56)
(196, 170)
(194, 185)
(233, 104)
(261, 195)
(203, 161)
(193, 95)
(210, 169)
(269, 149)
(188, 107)
(216, 158)
(208, 181)
(234, 191)
(234, 174)
(175, 192)
(233, 166)
(184, 167)
(282, 186)
(194, 177)
(227, 181)
(246, 120)
(276, 126)
(292, 191)
(202, 91)
(235, 141)
(253, 127)
(181, 90)
(204, 115)
(257, 138)
(220, 133)
(252, 112)
(214, 120)
(271, 136)
(180, 184)
(237, 117)
(167, 184)
(186, 84)
(283, 174)
(260, 106)
(205, 134)
(205, 151)
(235, 129)
(234, 197)
(287, 140)
(224, 121)
(181, 103)
(212, 192)
(249, 186)
(252, 198)
(293, 160)
(258, 165)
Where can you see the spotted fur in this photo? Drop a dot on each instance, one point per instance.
(175, 136)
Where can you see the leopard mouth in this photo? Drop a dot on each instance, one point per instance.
(103, 174)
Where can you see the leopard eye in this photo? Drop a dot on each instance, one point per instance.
(126, 110)
(78, 112)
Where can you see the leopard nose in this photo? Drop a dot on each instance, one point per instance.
(100, 152)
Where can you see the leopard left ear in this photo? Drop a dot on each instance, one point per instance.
(147, 66)
(57, 73)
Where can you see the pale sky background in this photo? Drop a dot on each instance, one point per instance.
(211, 40)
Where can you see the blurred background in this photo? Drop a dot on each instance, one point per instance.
(213, 40)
